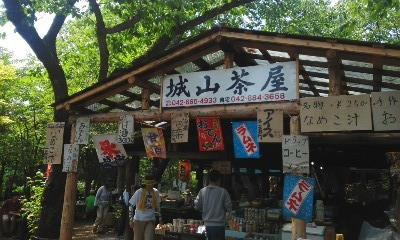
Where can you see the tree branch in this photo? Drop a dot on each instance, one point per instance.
(102, 40)
(125, 25)
(165, 40)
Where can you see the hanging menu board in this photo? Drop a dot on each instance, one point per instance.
(295, 154)
(386, 110)
(71, 155)
(126, 129)
(54, 142)
(261, 83)
(337, 113)
(179, 127)
(82, 130)
(270, 125)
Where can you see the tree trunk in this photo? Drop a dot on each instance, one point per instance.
(1, 180)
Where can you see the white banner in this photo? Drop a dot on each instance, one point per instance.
(295, 154)
(71, 156)
(126, 129)
(108, 150)
(82, 130)
(261, 83)
(54, 142)
(179, 127)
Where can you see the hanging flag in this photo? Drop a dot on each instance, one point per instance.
(209, 134)
(179, 127)
(184, 170)
(245, 139)
(71, 156)
(82, 129)
(126, 129)
(108, 150)
(54, 142)
(270, 125)
(154, 143)
(298, 197)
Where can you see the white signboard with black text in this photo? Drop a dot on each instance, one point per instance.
(71, 155)
(261, 83)
(386, 110)
(126, 129)
(54, 142)
(82, 129)
(295, 154)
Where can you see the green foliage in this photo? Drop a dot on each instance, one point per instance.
(31, 206)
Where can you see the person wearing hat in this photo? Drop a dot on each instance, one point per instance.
(147, 202)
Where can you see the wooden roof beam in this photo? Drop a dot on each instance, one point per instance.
(295, 57)
(203, 64)
(336, 74)
(377, 77)
(267, 56)
(115, 105)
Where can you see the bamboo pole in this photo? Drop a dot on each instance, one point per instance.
(298, 226)
(68, 214)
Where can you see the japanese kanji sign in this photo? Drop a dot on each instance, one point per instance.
(126, 129)
(109, 150)
(295, 154)
(154, 142)
(386, 110)
(224, 167)
(82, 130)
(179, 127)
(298, 198)
(270, 125)
(262, 83)
(210, 134)
(71, 156)
(54, 142)
(245, 140)
(336, 113)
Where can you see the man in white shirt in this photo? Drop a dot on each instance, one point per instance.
(147, 202)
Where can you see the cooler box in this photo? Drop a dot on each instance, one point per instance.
(229, 234)
(313, 233)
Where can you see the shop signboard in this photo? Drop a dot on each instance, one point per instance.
(108, 150)
(245, 140)
(179, 127)
(386, 110)
(54, 142)
(209, 134)
(261, 83)
(295, 154)
(82, 129)
(154, 143)
(298, 198)
(336, 113)
(71, 157)
(270, 125)
(126, 129)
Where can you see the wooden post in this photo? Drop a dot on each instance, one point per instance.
(68, 213)
(336, 74)
(228, 60)
(298, 226)
(145, 99)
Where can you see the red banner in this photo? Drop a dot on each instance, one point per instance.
(210, 134)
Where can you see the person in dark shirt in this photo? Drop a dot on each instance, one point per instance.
(10, 212)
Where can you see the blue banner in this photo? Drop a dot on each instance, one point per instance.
(245, 139)
(298, 198)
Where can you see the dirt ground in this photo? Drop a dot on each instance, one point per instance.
(83, 231)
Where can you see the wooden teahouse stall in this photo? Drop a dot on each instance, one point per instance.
(324, 111)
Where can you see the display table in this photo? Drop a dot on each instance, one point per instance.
(180, 236)
(169, 213)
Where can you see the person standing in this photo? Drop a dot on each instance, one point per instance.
(214, 202)
(102, 202)
(147, 202)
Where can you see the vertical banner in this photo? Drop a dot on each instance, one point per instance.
(184, 171)
(386, 110)
(298, 198)
(295, 154)
(270, 125)
(179, 127)
(154, 143)
(245, 139)
(109, 150)
(71, 156)
(82, 129)
(209, 134)
(126, 129)
(54, 142)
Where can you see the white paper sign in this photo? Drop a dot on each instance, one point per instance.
(262, 83)
(336, 113)
(126, 129)
(386, 110)
(179, 127)
(270, 125)
(71, 156)
(82, 130)
(108, 150)
(295, 154)
(54, 142)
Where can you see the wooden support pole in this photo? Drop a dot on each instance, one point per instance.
(336, 74)
(228, 60)
(377, 78)
(68, 213)
(145, 99)
(298, 226)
